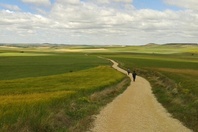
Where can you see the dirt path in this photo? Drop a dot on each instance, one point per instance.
(136, 110)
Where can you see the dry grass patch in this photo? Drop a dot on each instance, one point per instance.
(106, 92)
(179, 71)
(32, 98)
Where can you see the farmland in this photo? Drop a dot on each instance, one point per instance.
(50, 82)
(51, 92)
(43, 64)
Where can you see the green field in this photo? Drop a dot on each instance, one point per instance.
(20, 65)
(29, 102)
(52, 91)
(51, 88)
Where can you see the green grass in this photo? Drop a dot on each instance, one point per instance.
(52, 91)
(23, 54)
(13, 67)
(33, 103)
(67, 81)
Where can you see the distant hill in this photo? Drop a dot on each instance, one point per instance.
(181, 44)
(152, 44)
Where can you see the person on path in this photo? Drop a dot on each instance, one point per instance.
(134, 75)
(128, 71)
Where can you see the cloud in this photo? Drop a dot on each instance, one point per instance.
(10, 7)
(88, 15)
(87, 22)
(38, 2)
(110, 1)
(125, 1)
(68, 1)
(189, 4)
(19, 21)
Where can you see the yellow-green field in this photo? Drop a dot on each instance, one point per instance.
(33, 99)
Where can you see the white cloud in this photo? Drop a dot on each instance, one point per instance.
(38, 2)
(110, 2)
(19, 21)
(68, 1)
(189, 4)
(125, 1)
(10, 7)
(74, 21)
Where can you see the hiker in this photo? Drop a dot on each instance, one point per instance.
(134, 75)
(128, 71)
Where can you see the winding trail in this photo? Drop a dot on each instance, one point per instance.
(136, 110)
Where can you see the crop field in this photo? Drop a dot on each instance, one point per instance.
(50, 92)
(19, 65)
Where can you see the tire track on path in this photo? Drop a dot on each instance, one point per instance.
(136, 110)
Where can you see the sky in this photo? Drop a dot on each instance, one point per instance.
(99, 22)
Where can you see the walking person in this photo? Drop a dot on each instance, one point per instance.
(134, 75)
(128, 71)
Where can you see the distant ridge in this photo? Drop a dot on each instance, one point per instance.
(151, 44)
(181, 44)
(110, 45)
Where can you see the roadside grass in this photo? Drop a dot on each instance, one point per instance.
(57, 102)
(43, 64)
(173, 78)
(179, 95)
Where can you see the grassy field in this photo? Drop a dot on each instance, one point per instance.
(59, 88)
(30, 102)
(154, 49)
(174, 79)
(15, 65)
(53, 92)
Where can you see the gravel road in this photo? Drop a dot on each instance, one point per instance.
(136, 110)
